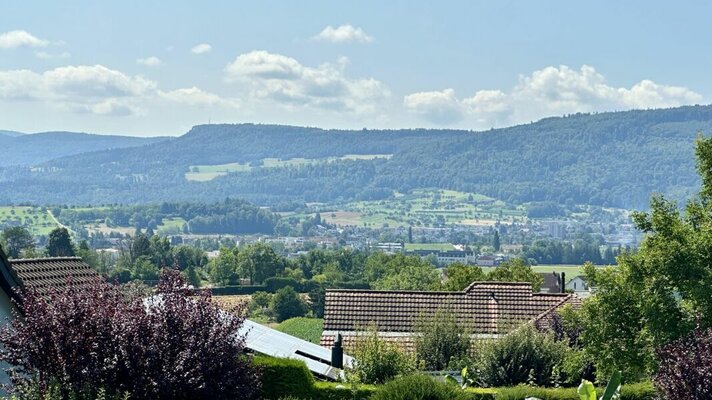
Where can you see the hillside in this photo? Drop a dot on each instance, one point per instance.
(611, 159)
(36, 148)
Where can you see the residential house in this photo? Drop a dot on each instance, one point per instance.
(488, 309)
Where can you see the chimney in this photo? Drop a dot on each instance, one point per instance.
(337, 353)
(563, 282)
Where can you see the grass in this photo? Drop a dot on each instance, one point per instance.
(309, 329)
(171, 226)
(202, 173)
(426, 207)
(36, 219)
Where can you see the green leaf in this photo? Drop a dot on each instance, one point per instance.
(613, 387)
(463, 373)
(450, 379)
(586, 390)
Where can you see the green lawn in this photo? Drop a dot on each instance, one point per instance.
(35, 219)
(309, 329)
(171, 226)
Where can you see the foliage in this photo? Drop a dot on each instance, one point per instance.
(419, 387)
(15, 239)
(587, 391)
(522, 356)
(441, 339)
(59, 243)
(610, 159)
(94, 337)
(638, 391)
(400, 272)
(223, 268)
(659, 293)
(459, 276)
(309, 329)
(259, 261)
(277, 282)
(378, 361)
(686, 367)
(287, 304)
(516, 270)
(282, 376)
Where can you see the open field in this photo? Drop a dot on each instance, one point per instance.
(36, 219)
(426, 207)
(171, 226)
(210, 172)
(308, 329)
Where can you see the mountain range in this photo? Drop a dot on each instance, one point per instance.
(608, 159)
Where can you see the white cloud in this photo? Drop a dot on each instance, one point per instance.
(194, 96)
(201, 48)
(439, 107)
(284, 80)
(548, 92)
(20, 38)
(48, 56)
(343, 34)
(150, 61)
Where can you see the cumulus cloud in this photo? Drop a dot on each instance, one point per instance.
(150, 61)
(343, 34)
(547, 92)
(20, 38)
(201, 48)
(441, 108)
(194, 96)
(284, 80)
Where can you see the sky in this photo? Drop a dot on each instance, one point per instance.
(149, 68)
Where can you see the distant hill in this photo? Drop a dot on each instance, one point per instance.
(609, 159)
(31, 149)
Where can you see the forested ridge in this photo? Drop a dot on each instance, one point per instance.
(610, 159)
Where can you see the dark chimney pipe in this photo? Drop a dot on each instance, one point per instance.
(337, 353)
(563, 282)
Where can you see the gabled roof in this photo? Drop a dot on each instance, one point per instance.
(552, 282)
(487, 307)
(44, 275)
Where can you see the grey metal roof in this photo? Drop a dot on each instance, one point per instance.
(271, 342)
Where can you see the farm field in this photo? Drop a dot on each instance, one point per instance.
(426, 207)
(37, 219)
(209, 172)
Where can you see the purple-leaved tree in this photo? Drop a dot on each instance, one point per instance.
(685, 370)
(174, 345)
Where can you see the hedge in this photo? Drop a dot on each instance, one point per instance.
(237, 290)
(275, 283)
(284, 376)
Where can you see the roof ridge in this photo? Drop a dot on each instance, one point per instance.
(395, 291)
(552, 308)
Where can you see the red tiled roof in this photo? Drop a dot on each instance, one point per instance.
(46, 274)
(488, 308)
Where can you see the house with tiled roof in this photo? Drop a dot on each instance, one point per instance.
(488, 309)
(41, 275)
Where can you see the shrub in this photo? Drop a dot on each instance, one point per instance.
(283, 376)
(93, 338)
(286, 304)
(685, 370)
(522, 356)
(275, 283)
(419, 387)
(441, 339)
(638, 391)
(378, 361)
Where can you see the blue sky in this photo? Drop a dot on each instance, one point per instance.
(157, 68)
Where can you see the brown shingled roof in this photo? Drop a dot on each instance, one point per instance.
(489, 308)
(46, 274)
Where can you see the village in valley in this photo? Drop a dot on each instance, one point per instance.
(452, 200)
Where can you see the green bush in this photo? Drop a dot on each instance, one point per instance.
(419, 387)
(378, 361)
(441, 340)
(284, 377)
(523, 356)
(286, 304)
